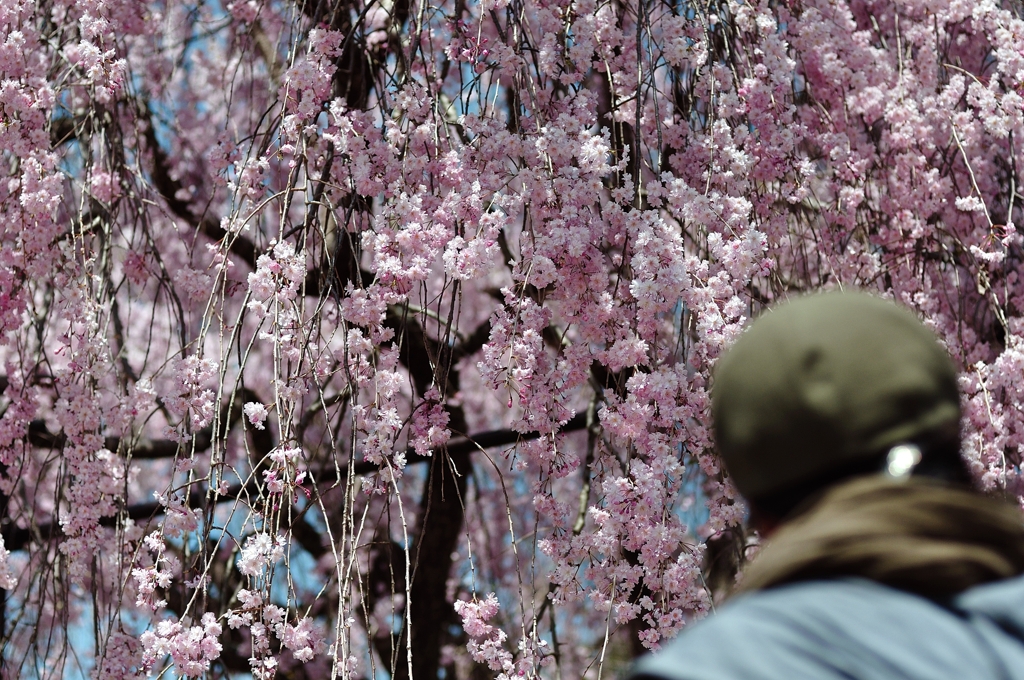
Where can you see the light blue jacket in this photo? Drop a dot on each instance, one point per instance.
(855, 630)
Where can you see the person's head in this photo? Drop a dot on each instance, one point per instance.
(831, 386)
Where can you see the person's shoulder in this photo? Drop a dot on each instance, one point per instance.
(755, 635)
(1002, 602)
(820, 629)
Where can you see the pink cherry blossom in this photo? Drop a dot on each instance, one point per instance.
(478, 261)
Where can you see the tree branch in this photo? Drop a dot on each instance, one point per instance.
(168, 188)
(16, 538)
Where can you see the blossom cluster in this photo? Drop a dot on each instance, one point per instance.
(486, 641)
(192, 648)
(303, 638)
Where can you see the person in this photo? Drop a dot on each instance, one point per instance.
(837, 417)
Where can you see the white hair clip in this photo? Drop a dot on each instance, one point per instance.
(902, 460)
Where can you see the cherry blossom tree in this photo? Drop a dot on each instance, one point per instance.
(373, 338)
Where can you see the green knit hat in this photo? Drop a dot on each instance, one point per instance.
(824, 382)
